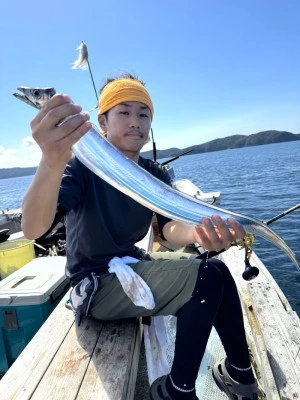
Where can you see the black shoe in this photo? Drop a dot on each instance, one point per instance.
(158, 390)
(233, 389)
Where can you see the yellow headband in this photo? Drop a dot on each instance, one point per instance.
(122, 90)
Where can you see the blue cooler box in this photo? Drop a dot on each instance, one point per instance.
(27, 298)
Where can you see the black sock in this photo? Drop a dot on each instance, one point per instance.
(245, 377)
(177, 394)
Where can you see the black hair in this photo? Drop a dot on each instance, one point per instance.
(126, 75)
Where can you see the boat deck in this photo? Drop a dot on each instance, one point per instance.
(62, 362)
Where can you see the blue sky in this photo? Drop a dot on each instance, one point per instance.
(213, 68)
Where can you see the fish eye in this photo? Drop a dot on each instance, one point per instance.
(37, 93)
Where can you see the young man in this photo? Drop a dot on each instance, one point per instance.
(102, 223)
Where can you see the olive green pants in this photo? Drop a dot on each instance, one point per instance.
(171, 277)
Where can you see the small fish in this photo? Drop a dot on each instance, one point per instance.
(83, 57)
(106, 161)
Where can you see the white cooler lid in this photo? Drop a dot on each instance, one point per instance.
(34, 283)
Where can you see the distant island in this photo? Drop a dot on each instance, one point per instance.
(229, 142)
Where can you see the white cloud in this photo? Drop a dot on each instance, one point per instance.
(33, 159)
(28, 155)
(9, 152)
(6, 152)
(29, 144)
(8, 157)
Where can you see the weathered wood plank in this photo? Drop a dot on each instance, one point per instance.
(258, 350)
(23, 377)
(64, 376)
(234, 258)
(113, 366)
(281, 335)
(130, 389)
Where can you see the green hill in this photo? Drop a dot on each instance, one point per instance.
(229, 142)
(6, 173)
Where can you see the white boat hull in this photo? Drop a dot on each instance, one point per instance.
(188, 187)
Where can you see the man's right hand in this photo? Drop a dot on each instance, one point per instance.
(56, 141)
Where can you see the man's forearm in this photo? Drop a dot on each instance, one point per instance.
(40, 201)
(179, 233)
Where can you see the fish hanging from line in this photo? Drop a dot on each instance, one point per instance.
(106, 161)
(83, 57)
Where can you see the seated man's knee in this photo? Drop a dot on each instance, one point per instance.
(223, 269)
(220, 265)
(210, 276)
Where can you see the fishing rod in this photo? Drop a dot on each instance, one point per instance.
(171, 159)
(282, 214)
(154, 147)
(250, 272)
(175, 158)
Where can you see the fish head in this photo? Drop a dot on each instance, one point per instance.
(35, 97)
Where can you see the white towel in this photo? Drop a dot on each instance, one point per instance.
(156, 341)
(133, 285)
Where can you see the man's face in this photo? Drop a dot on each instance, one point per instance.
(127, 126)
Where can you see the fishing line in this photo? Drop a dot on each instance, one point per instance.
(83, 63)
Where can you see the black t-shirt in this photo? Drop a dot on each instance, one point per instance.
(101, 221)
